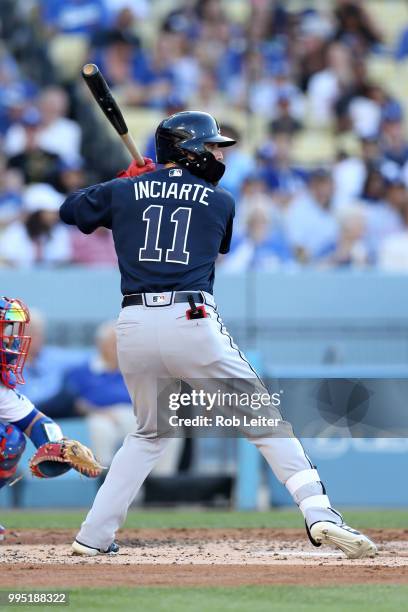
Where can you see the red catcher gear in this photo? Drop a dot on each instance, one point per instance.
(14, 344)
(134, 170)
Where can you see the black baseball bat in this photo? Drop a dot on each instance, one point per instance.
(107, 103)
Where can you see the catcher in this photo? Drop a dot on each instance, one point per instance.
(55, 454)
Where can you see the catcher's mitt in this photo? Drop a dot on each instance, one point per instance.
(55, 458)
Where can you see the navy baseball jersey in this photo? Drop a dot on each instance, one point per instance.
(168, 227)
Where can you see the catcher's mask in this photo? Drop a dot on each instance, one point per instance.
(182, 138)
(14, 344)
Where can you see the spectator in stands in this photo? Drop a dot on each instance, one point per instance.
(36, 164)
(350, 248)
(324, 86)
(184, 66)
(208, 94)
(23, 30)
(157, 82)
(355, 27)
(371, 108)
(308, 46)
(39, 238)
(74, 16)
(46, 365)
(309, 221)
(285, 120)
(121, 59)
(96, 249)
(401, 49)
(282, 177)
(393, 250)
(268, 20)
(11, 194)
(121, 33)
(15, 89)
(101, 396)
(259, 88)
(397, 195)
(215, 34)
(358, 89)
(350, 173)
(261, 65)
(255, 194)
(56, 134)
(141, 80)
(374, 186)
(71, 176)
(394, 141)
(260, 245)
(139, 10)
(382, 219)
(239, 164)
(183, 18)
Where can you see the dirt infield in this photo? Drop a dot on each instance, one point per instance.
(198, 557)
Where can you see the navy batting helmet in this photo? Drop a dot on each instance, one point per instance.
(181, 138)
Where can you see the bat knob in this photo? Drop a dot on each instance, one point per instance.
(90, 70)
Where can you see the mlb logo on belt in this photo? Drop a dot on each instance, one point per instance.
(158, 299)
(176, 172)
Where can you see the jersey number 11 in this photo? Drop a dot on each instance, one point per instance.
(151, 251)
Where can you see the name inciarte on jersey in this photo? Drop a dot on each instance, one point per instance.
(192, 192)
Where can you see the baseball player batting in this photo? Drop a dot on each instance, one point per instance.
(55, 454)
(169, 225)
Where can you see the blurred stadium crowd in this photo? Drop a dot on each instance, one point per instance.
(313, 91)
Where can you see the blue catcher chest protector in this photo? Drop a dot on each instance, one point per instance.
(12, 445)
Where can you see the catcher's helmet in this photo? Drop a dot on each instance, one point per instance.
(181, 138)
(14, 344)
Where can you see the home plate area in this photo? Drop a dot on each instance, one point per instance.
(192, 556)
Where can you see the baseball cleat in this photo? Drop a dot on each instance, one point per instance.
(2, 532)
(354, 544)
(89, 551)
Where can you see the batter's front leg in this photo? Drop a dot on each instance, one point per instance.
(130, 467)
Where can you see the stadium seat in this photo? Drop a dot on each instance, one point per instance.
(68, 54)
(141, 122)
(312, 147)
(390, 16)
(238, 11)
(382, 69)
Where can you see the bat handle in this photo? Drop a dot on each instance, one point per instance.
(132, 148)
